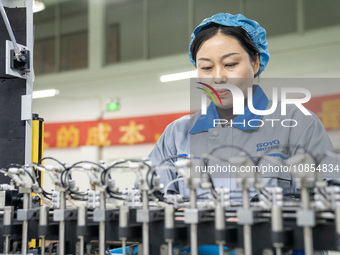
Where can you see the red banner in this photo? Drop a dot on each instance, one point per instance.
(129, 131)
(328, 110)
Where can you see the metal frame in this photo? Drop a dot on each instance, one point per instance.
(29, 80)
(26, 101)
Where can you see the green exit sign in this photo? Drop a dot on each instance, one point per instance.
(113, 106)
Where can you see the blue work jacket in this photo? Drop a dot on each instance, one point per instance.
(196, 135)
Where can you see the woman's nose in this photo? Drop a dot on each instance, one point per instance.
(220, 76)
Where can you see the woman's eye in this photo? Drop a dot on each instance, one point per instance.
(206, 68)
(231, 64)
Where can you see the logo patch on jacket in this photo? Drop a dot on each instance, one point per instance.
(268, 145)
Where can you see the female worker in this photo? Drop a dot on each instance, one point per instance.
(231, 49)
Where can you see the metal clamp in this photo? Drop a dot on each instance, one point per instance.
(306, 218)
(105, 215)
(245, 217)
(149, 215)
(64, 215)
(29, 214)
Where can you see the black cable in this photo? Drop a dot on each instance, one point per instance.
(230, 146)
(14, 165)
(47, 193)
(114, 194)
(51, 158)
(77, 198)
(65, 174)
(213, 190)
(203, 195)
(153, 170)
(206, 161)
(45, 158)
(257, 160)
(20, 167)
(74, 166)
(171, 157)
(62, 178)
(30, 175)
(115, 197)
(103, 174)
(77, 193)
(85, 162)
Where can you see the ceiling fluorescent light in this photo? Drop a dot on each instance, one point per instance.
(45, 93)
(38, 6)
(178, 76)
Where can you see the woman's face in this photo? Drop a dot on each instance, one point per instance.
(222, 60)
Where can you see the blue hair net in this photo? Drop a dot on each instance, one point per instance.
(256, 32)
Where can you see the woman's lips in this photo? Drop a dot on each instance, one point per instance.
(223, 92)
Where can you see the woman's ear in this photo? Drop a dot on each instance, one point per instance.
(256, 64)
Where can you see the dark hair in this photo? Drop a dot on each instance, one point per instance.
(240, 34)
